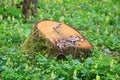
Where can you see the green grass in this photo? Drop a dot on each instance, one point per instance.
(98, 21)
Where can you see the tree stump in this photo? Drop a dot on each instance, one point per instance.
(56, 39)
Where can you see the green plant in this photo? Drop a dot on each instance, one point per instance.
(98, 21)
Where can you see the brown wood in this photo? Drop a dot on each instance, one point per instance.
(27, 6)
(60, 38)
(48, 29)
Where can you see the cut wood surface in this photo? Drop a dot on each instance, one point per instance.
(57, 38)
(55, 31)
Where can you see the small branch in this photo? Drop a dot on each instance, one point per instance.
(56, 27)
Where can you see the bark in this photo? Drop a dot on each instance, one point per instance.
(29, 5)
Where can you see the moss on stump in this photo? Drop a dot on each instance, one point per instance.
(56, 40)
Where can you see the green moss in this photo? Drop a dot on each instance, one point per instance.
(36, 42)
